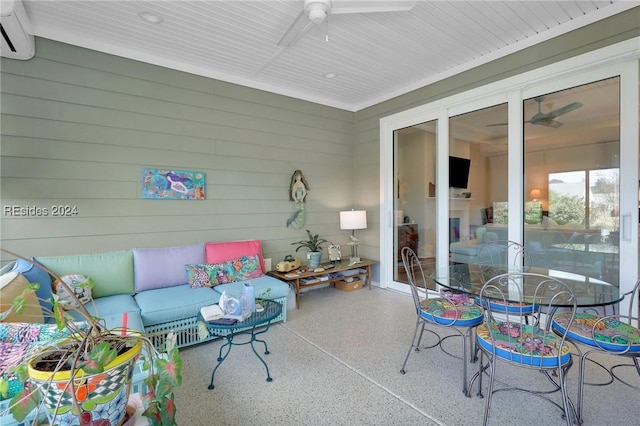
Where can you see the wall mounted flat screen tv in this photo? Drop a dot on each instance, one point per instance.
(459, 172)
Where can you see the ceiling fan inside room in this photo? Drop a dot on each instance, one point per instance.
(547, 119)
(316, 12)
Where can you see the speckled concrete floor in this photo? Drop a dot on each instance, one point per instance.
(336, 361)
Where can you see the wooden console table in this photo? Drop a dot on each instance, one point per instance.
(299, 274)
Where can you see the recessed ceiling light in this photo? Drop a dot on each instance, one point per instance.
(330, 75)
(151, 17)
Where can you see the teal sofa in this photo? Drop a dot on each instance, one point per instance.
(549, 247)
(151, 285)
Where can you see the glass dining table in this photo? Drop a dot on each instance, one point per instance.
(469, 279)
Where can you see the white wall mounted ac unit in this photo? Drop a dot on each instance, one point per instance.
(17, 40)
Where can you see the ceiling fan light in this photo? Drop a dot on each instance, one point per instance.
(317, 13)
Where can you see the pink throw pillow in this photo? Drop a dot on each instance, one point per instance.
(230, 250)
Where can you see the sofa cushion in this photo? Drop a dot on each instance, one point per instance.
(112, 271)
(164, 267)
(115, 321)
(490, 237)
(116, 304)
(266, 287)
(229, 250)
(110, 309)
(12, 284)
(173, 303)
(469, 248)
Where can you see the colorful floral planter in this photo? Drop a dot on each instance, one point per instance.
(104, 395)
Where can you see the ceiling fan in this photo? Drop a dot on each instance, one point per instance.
(548, 119)
(316, 11)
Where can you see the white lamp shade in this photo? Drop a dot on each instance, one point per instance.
(353, 219)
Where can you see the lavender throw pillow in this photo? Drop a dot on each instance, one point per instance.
(164, 267)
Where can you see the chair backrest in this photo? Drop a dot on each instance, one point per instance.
(494, 257)
(419, 282)
(633, 298)
(518, 329)
(415, 274)
(620, 335)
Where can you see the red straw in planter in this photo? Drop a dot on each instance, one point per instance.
(125, 318)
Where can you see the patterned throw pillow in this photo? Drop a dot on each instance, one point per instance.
(199, 275)
(241, 269)
(209, 275)
(81, 286)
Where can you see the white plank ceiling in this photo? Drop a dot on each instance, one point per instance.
(375, 56)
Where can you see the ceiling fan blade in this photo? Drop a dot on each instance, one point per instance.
(303, 23)
(298, 28)
(370, 6)
(565, 109)
(549, 123)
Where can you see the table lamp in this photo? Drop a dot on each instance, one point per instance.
(535, 194)
(353, 219)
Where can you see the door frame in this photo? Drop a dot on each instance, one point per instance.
(617, 60)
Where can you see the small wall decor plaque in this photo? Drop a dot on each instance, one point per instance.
(298, 194)
(172, 184)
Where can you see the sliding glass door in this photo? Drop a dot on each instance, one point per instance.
(548, 158)
(572, 175)
(478, 179)
(572, 179)
(414, 220)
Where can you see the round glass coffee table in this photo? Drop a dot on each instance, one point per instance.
(258, 323)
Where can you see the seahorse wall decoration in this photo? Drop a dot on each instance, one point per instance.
(298, 194)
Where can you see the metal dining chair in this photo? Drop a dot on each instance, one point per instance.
(494, 258)
(616, 334)
(513, 341)
(448, 311)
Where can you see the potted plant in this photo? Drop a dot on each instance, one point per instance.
(68, 379)
(314, 244)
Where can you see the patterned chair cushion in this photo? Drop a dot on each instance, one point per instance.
(442, 311)
(522, 343)
(517, 308)
(611, 334)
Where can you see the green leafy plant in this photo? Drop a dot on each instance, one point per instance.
(313, 242)
(88, 349)
(265, 295)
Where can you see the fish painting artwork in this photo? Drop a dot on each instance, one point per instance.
(173, 184)
(298, 194)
